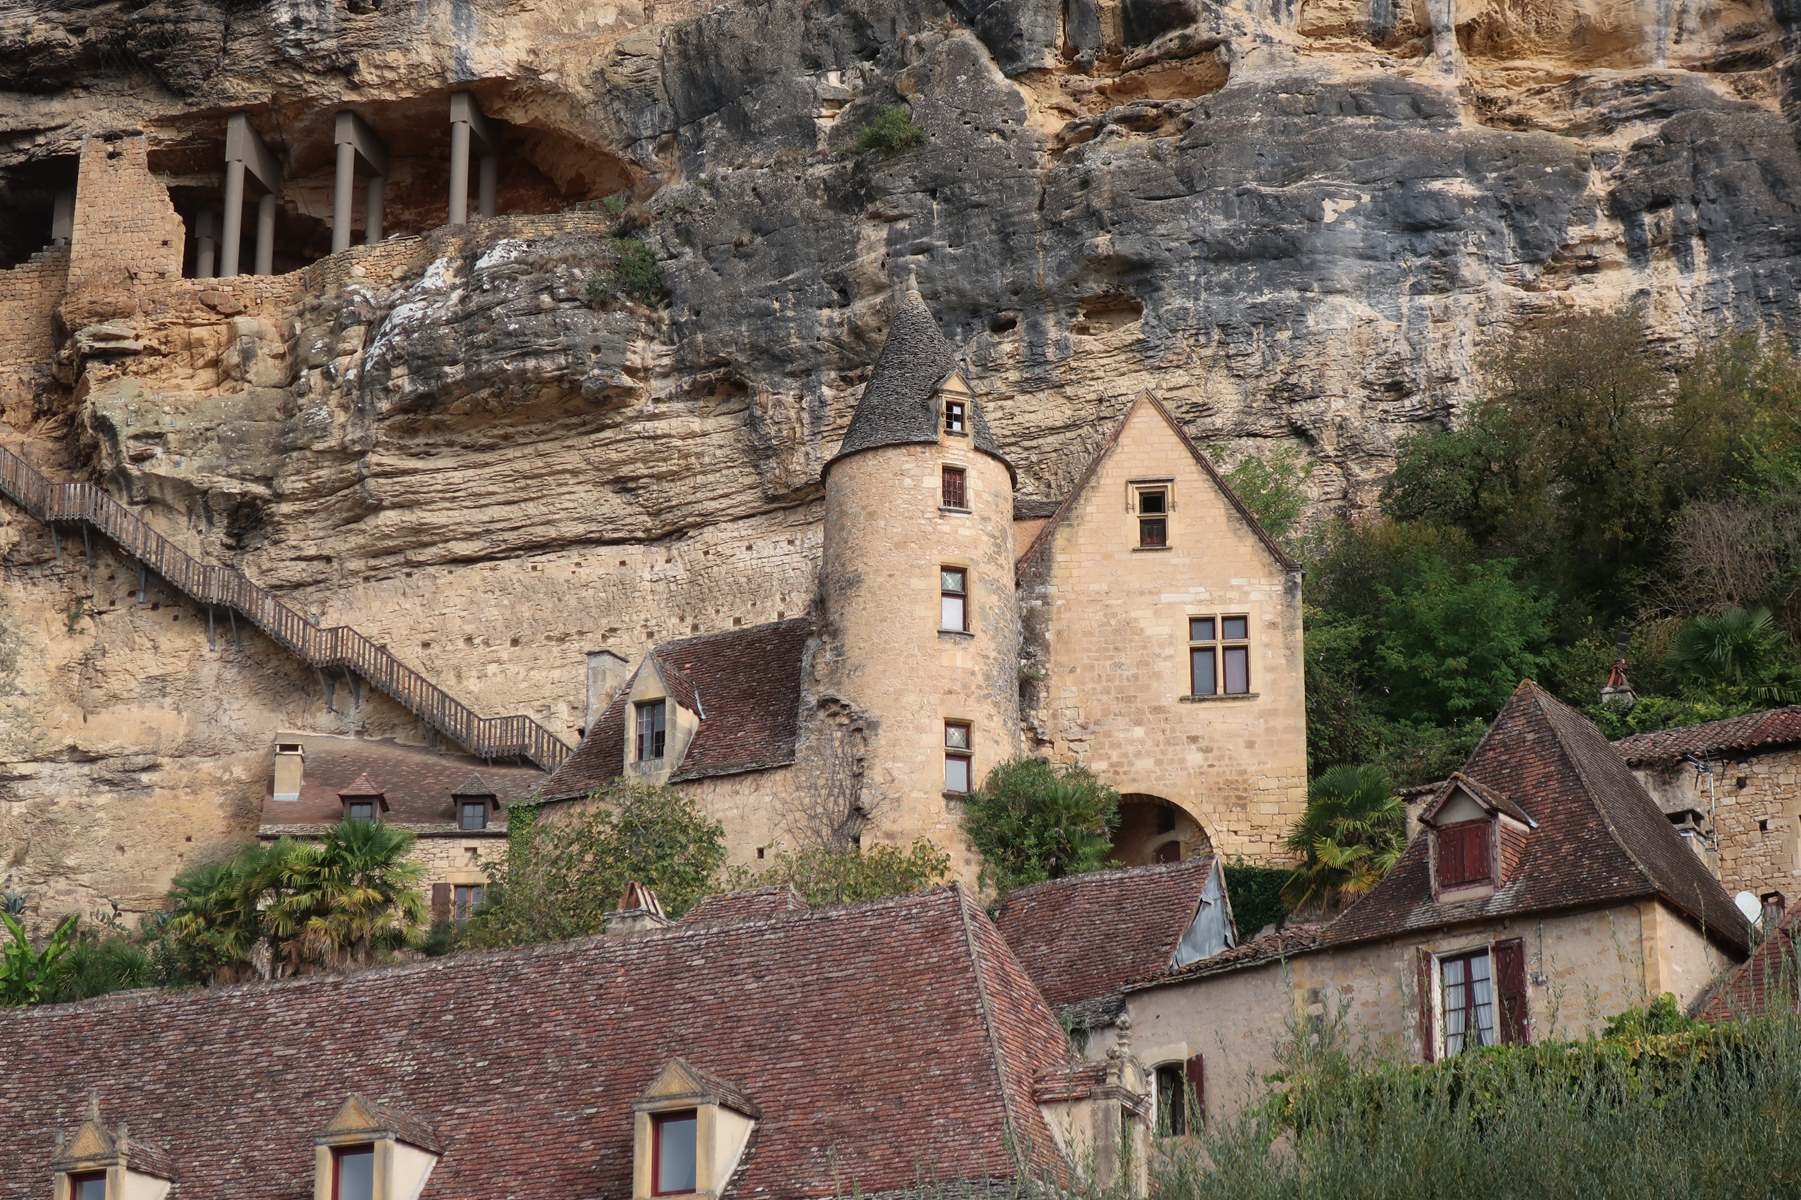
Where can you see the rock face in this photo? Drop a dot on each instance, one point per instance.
(1305, 223)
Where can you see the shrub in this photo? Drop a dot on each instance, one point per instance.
(1350, 836)
(1256, 895)
(889, 131)
(564, 875)
(635, 275)
(825, 876)
(1274, 488)
(1032, 821)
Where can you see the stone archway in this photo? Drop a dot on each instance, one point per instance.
(1155, 830)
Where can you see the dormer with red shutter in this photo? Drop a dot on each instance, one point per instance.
(1477, 836)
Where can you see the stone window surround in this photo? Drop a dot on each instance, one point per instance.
(399, 1168)
(962, 469)
(968, 629)
(966, 752)
(722, 1129)
(1219, 643)
(1138, 488)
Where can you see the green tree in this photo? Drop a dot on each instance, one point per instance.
(825, 876)
(1032, 821)
(563, 875)
(1458, 639)
(27, 972)
(352, 897)
(1274, 488)
(215, 922)
(1352, 833)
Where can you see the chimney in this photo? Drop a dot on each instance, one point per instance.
(1773, 908)
(606, 671)
(290, 769)
(1618, 691)
(638, 912)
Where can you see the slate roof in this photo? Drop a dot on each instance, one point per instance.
(1045, 536)
(746, 683)
(1482, 794)
(1290, 941)
(899, 405)
(1745, 990)
(878, 1041)
(1600, 837)
(420, 785)
(1753, 731)
(1086, 937)
(753, 904)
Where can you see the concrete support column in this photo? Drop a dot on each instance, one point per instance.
(343, 185)
(490, 180)
(265, 234)
(62, 217)
(459, 172)
(372, 205)
(206, 244)
(231, 241)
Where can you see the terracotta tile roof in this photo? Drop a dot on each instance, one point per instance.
(747, 682)
(1746, 989)
(754, 904)
(419, 784)
(1753, 731)
(1034, 554)
(877, 1041)
(1088, 936)
(1290, 941)
(1600, 838)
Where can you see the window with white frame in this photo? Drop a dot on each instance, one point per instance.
(958, 754)
(953, 599)
(1467, 999)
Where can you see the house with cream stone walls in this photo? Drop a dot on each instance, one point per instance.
(1144, 626)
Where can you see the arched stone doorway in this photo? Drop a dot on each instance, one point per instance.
(1154, 830)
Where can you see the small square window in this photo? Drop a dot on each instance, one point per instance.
(672, 1156)
(956, 416)
(953, 599)
(1200, 629)
(360, 810)
(652, 731)
(955, 493)
(353, 1173)
(957, 757)
(1152, 505)
(88, 1186)
(472, 814)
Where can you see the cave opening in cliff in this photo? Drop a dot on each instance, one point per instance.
(38, 199)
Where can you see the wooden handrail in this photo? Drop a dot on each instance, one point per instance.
(339, 646)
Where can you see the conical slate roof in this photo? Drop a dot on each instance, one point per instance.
(900, 404)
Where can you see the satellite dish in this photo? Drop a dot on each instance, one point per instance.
(1750, 905)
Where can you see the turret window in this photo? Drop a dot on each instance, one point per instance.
(673, 1159)
(957, 757)
(353, 1173)
(953, 599)
(956, 417)
(652, 730)
(954, 489)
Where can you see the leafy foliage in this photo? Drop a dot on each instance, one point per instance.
(1256, 895)
(889, 131)
(1274, 488)
(825, 876)
(27, 971)
(1032, 821)
(565, 874)
(634, 275)
(1351, 835)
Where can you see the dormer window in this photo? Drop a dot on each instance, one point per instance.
(1465, 853)
(672, 1138)
(956, 417)
(359, 810)
(472, 814)
(652, 727)
(88, 1186)
(353, 1173)
(97, 1163)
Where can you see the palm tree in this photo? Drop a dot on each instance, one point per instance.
(359, 896)
(1351, 835)
(1737, 646)
(217, 919)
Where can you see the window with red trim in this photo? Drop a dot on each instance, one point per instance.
(353, 1173)
(90, 1185)
(954, 489)
(1465, 853)
(672, 1152)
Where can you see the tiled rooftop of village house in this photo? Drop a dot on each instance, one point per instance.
(1753, 731)
(876, 1041)
(419, 784)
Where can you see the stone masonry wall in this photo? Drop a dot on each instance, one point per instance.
(1755, 805)
(1112, 638)
(127, 238)
(29, 296)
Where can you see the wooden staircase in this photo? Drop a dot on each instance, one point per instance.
(87, 506)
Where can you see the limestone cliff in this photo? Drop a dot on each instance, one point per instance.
(1297, 222)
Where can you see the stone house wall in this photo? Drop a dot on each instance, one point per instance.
(29, 296)
(1109, 625)
(1581, 969)
(1753, 802)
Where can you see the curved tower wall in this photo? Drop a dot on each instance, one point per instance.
(887, 535)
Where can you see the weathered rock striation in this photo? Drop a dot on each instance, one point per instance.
(1302, 223)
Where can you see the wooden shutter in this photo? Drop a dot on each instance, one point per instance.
(1195, 1072)
(1478, 852)
(1425, 995)
(1450, 857)
(440, 902)
(1510, 989)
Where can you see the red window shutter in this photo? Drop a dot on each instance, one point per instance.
(1425, 998)
(1476, 856)
(440, 902)
(1450, 858)
(1510, 985)
(1195, 1071)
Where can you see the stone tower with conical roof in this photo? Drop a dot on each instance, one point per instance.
(919, 623)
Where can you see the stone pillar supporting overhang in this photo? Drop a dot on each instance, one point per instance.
(354, 139)
(246, 153)
(469, 124)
